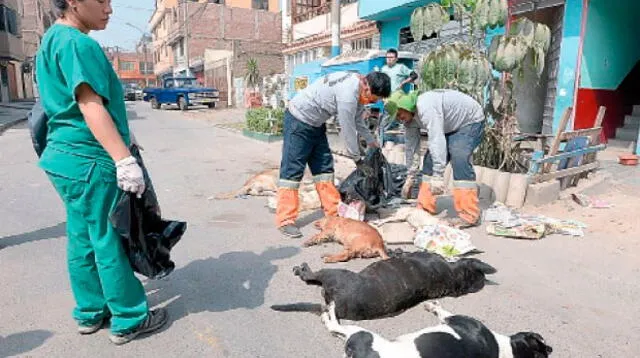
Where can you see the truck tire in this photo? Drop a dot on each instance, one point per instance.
(212, 105)
(182, 104)
(154, 103)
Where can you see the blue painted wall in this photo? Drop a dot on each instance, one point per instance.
(390, 32)
(312, 70)
(611, 44)
(386, 9)
(568, 60)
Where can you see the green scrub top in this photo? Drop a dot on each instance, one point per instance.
(398, 73)
(66, 59)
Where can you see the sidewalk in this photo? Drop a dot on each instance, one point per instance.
(13, 113)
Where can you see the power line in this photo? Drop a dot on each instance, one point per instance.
(133, 8)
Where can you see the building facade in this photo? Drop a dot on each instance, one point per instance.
(213, 42)
(36, 19)
(592, 62)
(307, 29)
(11, 50)
(133, 68)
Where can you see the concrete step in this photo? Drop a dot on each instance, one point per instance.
(632, 121)
(627, 134)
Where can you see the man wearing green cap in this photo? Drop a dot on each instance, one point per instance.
(454, 123)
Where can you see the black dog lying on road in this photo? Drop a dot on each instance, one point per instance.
(389, 287)
(456, 336)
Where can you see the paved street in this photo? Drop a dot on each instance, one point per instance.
(579, 293)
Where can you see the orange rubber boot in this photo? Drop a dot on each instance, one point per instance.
(287, 210)
(329, 197)
(426, 200)
(466, 203)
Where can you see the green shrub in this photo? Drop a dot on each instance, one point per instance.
(264, 120)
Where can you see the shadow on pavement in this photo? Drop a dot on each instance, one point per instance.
(20, 343)
(234, 280)
(40, 234)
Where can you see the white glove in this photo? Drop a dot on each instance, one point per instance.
(437, 185)
(130, 176)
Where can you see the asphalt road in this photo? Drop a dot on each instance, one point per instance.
(580, 294)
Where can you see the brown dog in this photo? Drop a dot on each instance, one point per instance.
(360, 240)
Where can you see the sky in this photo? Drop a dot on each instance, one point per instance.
(118, 33)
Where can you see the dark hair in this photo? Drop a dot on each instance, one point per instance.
(379, 83)
(59, 6)
(393, 51)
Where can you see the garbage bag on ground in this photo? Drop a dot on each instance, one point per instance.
(147, 238)
(376, 190)
(444, 240)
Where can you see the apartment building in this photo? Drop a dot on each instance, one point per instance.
(133, 68)
(307, 28)
(36, 19)
(213, 41)
(11, 51)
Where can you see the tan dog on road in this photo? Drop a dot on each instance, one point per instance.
(360, 240)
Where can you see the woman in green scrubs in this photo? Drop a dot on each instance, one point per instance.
(88, 161)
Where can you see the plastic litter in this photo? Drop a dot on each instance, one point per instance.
(354, 210)
(444, 240)
(509, 223)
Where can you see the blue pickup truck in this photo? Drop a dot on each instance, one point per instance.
(183, 92)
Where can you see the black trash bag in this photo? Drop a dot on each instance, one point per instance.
(146, 238)
(376, 190)
(38, 128)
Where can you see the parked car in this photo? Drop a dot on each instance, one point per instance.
(182, 91)
(129, 94)
(139, 94)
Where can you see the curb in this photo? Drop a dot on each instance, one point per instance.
(11, 123)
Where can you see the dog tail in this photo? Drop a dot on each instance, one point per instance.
(478, 265)
(314, 308)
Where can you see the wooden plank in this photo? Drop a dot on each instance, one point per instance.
(589, 132)
(540, 178)
(574, 153)
(556, 141)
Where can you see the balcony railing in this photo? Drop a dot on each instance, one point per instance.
(304, 10)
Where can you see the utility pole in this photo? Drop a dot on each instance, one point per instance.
(335, 28)
(186, 36)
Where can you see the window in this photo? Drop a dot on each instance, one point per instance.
(406, 38)
(8, 20)
(3, 27)
(260, 4)
(362, 44)
(126, 66)
(146, 69)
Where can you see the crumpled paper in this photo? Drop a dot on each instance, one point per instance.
(509, 223)
(443, 240)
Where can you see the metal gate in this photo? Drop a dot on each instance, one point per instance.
(216, 77)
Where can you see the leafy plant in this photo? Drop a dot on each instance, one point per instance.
(265, 120)
(467, 68)
(252, 75)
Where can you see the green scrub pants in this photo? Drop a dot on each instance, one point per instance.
(102, 280)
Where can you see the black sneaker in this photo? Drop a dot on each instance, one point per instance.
(155, 320)
(291, 231)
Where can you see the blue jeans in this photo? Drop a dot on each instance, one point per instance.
(460, 147)
(304, 145)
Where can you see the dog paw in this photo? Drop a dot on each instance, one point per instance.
(432, 306)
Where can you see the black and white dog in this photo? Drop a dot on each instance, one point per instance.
(389, 287)
(456, 337)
